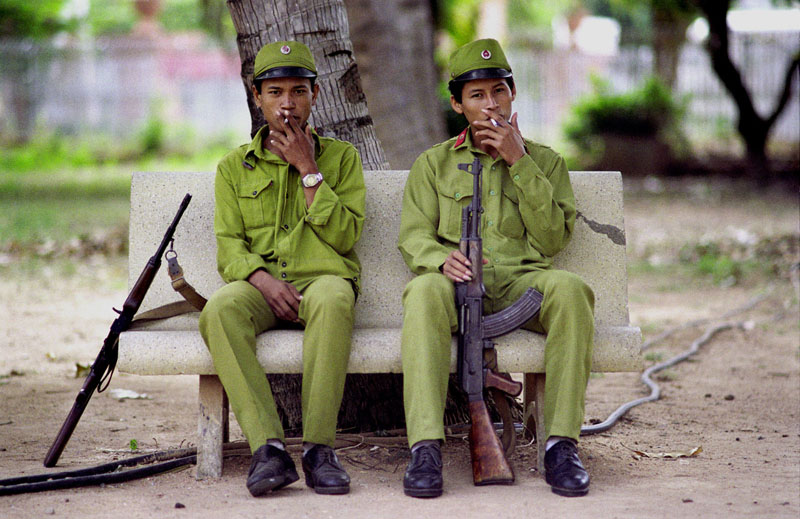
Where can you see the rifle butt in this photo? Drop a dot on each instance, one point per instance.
(489, 463)
(66, 430)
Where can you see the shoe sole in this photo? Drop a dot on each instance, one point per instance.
(422, 492)
(569, 493)
(265, 486)
(328, 491)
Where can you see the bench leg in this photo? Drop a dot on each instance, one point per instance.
(212, 427)
(534, 411)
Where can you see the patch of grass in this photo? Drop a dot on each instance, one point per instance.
(654, 356)
(60, 193)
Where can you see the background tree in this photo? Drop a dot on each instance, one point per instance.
(394, 42)
(753, 127)
(341, 108)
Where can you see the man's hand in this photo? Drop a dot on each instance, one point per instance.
(282, 297)
(457, 267)
(504, 136)
(295, 145)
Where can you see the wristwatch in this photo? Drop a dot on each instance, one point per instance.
(312, 179)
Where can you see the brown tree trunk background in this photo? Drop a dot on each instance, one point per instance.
(394, 42)
(753, 128)
(341, 108)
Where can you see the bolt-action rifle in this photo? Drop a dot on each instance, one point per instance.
(103, 367)
(477, 358)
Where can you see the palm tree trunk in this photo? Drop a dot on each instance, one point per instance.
(341, 108)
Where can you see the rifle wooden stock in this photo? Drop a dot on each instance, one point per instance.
(103, 366)
(489, 464)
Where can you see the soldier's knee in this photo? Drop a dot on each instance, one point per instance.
(428, 289)
(569, 288)
(330, 293)
(222, 306)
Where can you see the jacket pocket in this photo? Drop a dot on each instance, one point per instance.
(511, 224)
(257, 203)
(454, 195)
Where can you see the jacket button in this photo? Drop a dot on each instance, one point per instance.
(255, 193)
(283, 275)
(283, 264)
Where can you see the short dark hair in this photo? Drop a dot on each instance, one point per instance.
(457, 87)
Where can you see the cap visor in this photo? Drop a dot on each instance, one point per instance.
(483, 73)
(286, 72)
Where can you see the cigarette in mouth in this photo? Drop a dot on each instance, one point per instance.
(494, 123)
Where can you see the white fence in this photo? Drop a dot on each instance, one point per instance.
(549, 82)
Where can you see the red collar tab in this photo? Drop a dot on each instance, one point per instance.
(461, 138)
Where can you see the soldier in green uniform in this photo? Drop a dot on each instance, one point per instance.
(529, 215)
(289, 209)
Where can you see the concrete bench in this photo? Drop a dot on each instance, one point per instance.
(174, 346)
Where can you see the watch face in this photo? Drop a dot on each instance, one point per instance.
(312, 179)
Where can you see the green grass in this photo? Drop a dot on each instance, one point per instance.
(61, 206)
(60, 190)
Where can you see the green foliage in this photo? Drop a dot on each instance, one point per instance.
(111, 18)
(153, 136)
(133, 444)
(725, 264)
(39, 19)
(459, 18)
(647, 111)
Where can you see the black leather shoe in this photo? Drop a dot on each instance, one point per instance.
(424, 473)
(564, 471)
(270, 469)
(323, 471)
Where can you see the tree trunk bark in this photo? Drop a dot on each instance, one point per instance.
(394, 42)
(341, 108)
(669, 34)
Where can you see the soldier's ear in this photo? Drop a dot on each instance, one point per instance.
(256, 93)
(456, 106)
(314, 94)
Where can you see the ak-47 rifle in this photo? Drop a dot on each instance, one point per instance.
(477, 358)
(103, 366)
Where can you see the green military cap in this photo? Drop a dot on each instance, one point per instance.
(284, 59)
(478, 60)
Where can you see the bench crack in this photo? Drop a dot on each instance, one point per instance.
(615, 234)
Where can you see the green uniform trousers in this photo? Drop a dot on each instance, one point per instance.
(429, 319)
(229, 323)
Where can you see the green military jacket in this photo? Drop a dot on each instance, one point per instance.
(261, 220)
(529, 208)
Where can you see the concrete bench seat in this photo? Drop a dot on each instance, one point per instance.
(174, 346)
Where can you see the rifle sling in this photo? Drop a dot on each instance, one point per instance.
(194, 302)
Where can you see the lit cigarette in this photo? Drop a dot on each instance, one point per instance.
(494, 123)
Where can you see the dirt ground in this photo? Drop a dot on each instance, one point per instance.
(738, 399)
